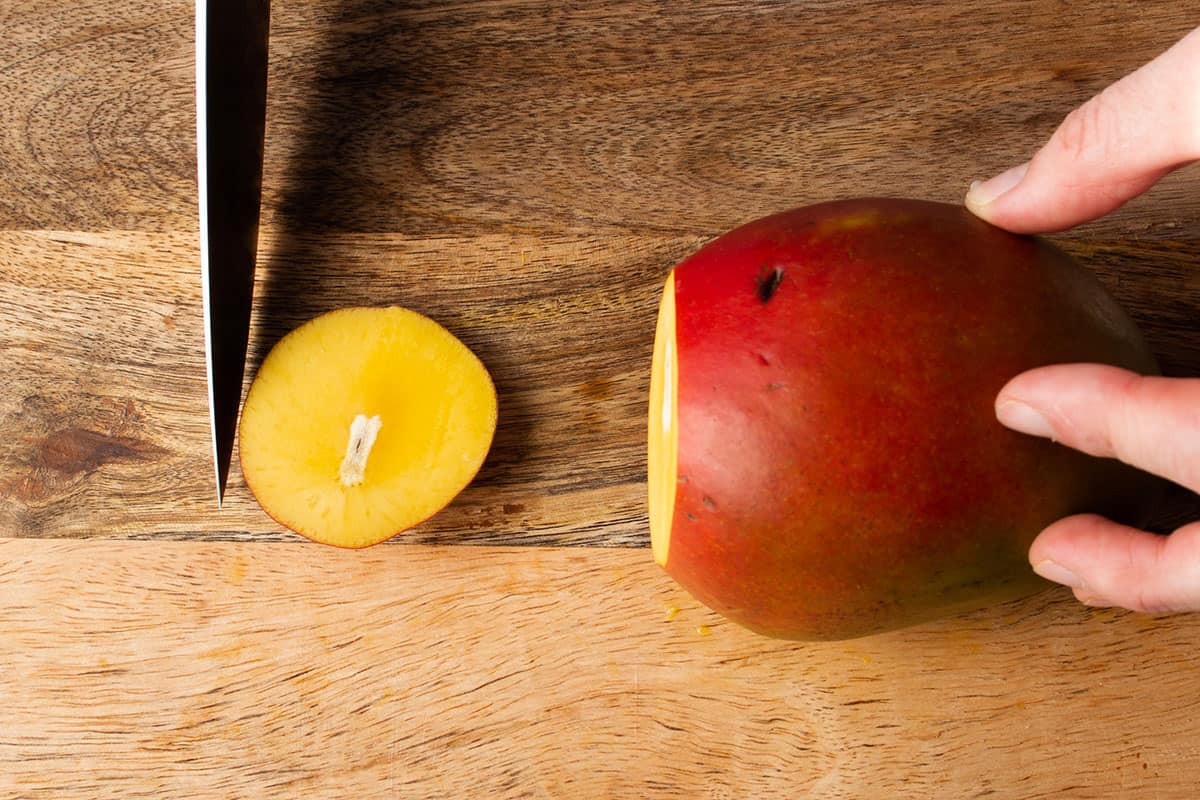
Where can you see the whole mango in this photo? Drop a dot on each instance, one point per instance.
(824, 460)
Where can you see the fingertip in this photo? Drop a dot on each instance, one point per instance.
(982, 195)
(1027, 403)
(1092, 600)
(1024, 418)
(1110, 564)
(975, 202)
(1065, 543)
(1056, 573)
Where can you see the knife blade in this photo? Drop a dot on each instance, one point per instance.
(231, 96)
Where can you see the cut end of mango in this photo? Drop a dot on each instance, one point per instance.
(364, 422)
(662, 462)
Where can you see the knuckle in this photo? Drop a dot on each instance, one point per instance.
(1158, 578)
(1155, 425)
(1135, 398)
(1147, 601)
(1143, 594)
(1092, 132)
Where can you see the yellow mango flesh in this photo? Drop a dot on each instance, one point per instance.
(663, 432)
(436, 409)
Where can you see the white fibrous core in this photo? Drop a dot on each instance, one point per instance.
(363, 432)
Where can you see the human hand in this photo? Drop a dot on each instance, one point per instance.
(1108, 151)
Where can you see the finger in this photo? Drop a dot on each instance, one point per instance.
(1114, 565)
(1106, 152)
(1150, 422)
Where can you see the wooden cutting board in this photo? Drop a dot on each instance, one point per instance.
(526, 173)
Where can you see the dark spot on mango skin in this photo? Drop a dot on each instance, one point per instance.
(768, 284)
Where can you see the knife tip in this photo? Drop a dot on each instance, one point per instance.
(222, 477)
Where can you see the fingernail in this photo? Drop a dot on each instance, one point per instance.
(1024, 418)
(982, 193)
(1053, 571)
(1094, 601)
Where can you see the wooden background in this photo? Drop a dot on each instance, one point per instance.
(526, 173)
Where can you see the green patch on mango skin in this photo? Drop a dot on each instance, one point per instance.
(865, 218)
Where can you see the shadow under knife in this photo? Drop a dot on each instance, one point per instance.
(350, 113)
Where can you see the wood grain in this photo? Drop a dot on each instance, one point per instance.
(105, 424)
(276, 670)
(460, 117)
(526, 173)
(106, 433)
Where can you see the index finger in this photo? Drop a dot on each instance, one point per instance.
(1150, 422)
(1112, 148)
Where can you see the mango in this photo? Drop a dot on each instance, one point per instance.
(824, 456)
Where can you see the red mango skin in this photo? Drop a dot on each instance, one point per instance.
(841, 471)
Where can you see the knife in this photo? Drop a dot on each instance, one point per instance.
(231, 99)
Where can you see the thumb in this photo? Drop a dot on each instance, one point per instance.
(1112, 565)
(1109, 150)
